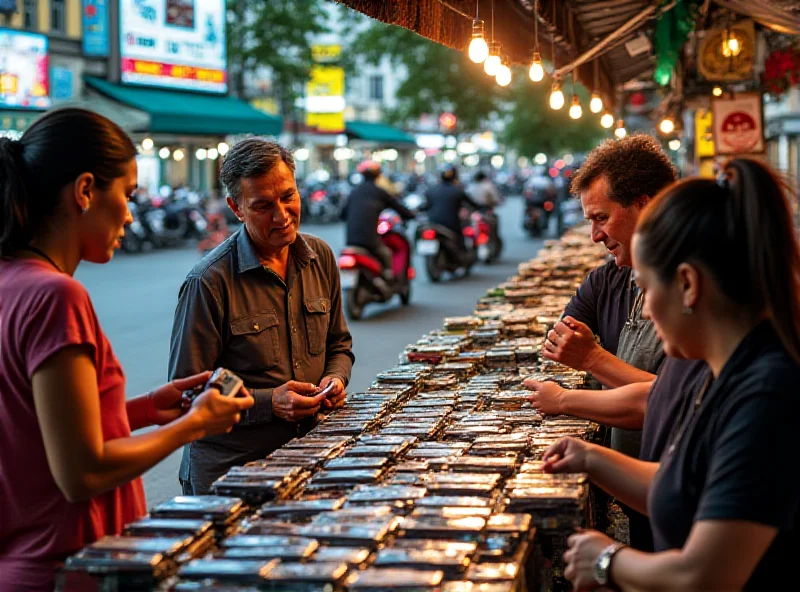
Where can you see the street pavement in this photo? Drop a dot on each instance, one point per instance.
(135, 297)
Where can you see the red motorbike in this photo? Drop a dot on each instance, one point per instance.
(361, 272)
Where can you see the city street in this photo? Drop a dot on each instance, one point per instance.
(135, 298)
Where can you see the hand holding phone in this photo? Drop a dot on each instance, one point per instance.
(328, 389)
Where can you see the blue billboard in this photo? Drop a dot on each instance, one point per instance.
(95, 28)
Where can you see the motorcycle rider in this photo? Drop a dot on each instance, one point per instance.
(363, 209)
(445, 202)
(483, 191)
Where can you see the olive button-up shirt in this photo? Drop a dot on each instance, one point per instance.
(235, 313)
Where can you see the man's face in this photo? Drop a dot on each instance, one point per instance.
(269, 206)
(612, 224)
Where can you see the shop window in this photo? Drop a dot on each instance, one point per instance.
(58, 16)
(376, 88)
(30, 19)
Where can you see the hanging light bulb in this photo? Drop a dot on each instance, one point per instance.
(607, 120)
(717, 92)
(493, 62)
(536, 72)
(575, 110)
(478, 49)
(667, 126)
(731, 45)
(620, 132)
(595, 103)
(503, 77)
(556, 96)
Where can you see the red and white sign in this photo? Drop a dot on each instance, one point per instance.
(738, 125)
(174, 44)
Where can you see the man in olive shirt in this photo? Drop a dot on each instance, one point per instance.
(265, 304)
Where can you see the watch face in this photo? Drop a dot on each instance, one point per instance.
(601, 568)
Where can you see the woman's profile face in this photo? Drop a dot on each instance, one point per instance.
(103, 225)
(663, 305)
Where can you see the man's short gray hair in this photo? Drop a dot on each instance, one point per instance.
(249, 159)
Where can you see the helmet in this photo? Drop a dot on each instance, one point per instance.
(369, 166)
(449, 173)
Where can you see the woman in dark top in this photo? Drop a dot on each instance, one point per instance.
(720, 268)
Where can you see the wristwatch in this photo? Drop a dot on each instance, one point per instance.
(602, 566)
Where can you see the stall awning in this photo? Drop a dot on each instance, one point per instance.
(378, 132)
(173, 112)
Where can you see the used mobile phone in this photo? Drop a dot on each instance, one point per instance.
(225, 381)
(328, 389)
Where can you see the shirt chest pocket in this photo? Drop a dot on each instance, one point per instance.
(255, 341)
(318, 313)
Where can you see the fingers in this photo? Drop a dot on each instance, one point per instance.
(301, 388)
(531, 384)
(183, 384)
(299, 401)
(572, 323)
(242, 402)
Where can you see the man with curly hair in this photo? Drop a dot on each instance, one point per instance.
(615, 183)
(603, 331)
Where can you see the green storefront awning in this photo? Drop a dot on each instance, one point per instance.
(378, 132)
(174, 112)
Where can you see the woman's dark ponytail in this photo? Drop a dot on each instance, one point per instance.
(14, 204)
(741, 230)
(760, 206)
(59, 147)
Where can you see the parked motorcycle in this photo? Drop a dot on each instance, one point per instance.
(440, 248)
(361, 272)
(487, 235)
(320, 204)
(135, 233)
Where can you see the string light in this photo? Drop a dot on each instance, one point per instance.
(503, 76)
(575, 110)
(667, 126)
(717, 92)
(492, 64)
(620, 132)
(536, 71)
(607, 120)
(478, 49)
(595, 103)
(556, 96)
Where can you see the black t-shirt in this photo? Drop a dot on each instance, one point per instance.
(677, 381)
(603, 302)
(736, 459)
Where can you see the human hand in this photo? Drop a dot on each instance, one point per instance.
(584, 547)
(568, 455)
(571, 343)
(215, 413)
(163, 405)
(546, 397)
(295, 400)
(337, 395)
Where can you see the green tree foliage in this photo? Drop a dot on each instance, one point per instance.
(533, 127)
(440, 79)
(275, 34)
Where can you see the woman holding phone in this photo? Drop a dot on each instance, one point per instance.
(69, 466)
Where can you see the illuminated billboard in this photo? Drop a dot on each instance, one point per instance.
(23, 70)
(174, 43)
